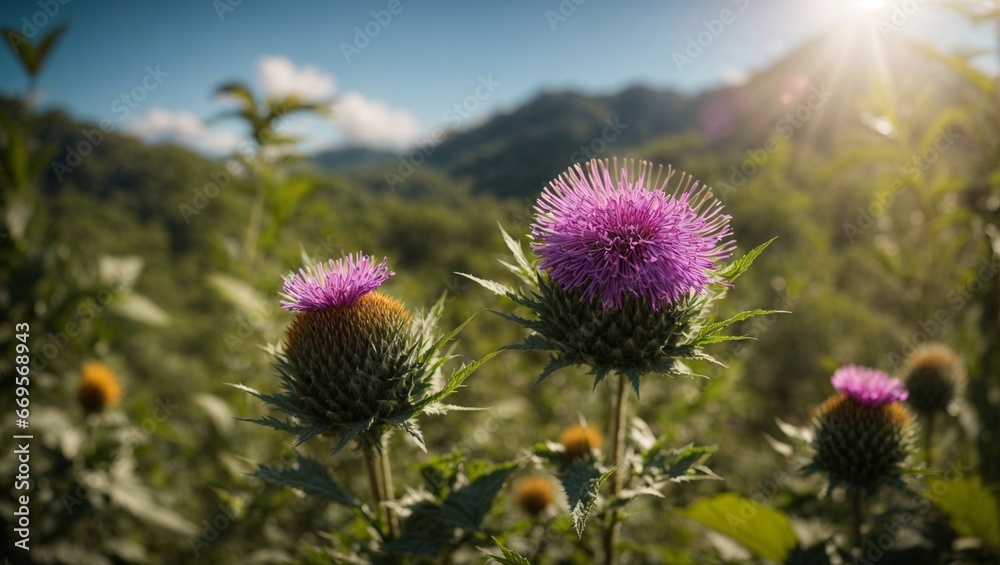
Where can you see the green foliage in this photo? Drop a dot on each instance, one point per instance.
(309, 476)
(33, 56)
(462, 505)
(508, 556)
(764, 530)
(582, 483)
(971, 505)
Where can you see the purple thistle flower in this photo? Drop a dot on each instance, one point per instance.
(615, 237)
(341, 284)
(868, 386)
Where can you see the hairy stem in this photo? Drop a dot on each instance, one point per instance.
(618, 478)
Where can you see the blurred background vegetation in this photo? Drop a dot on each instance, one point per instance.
(882, 185)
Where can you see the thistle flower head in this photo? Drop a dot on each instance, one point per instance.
(933, 376)
(98, 387)
(340, 283)
(858, 445)
(579, 441)
(534, 494)
(868, 386)
(863, 434)
(617, 234)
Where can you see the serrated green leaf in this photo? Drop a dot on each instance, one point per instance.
(582, 481)
(492, 286)
(428, 352)
(524, 270)
(352, 432)
(422, 532)
(508, 557)
(310, 476)
(454, 382)
(466, 507)
(732, 271)
(762, 529)
(970, 504)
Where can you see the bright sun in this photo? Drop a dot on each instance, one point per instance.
(865, 4)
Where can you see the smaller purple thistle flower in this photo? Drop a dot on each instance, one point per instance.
(615, 233)
(340, 284)
(868, 386)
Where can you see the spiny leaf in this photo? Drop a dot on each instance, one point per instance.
(427, 353)
(509, 556)
(351, 433)
(494, 287)
(582, 482)
(707, 334)
(310, 476)
(732, 271)
(524, 270)
(466, 507)
(454, 382)
(555, 363)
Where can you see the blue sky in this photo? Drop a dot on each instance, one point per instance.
(402, 77)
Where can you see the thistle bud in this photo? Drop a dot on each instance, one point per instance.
(579, 441)
(534, 494)
(98, 387)
(933, 376)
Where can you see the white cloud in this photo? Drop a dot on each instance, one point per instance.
(371, 122)
(279, 77)
(734, 77)
(182, 127)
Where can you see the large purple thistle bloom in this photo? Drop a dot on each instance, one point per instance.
(868, 386)
(341, 283)
(621, 236)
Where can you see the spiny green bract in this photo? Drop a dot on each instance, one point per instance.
(631, 340)
(356, 362)
(859, 446)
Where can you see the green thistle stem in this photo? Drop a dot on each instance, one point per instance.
(380, 478)
(858, 510)
(618, 478)
(929, 440)
(373, 475)
(388, 494)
